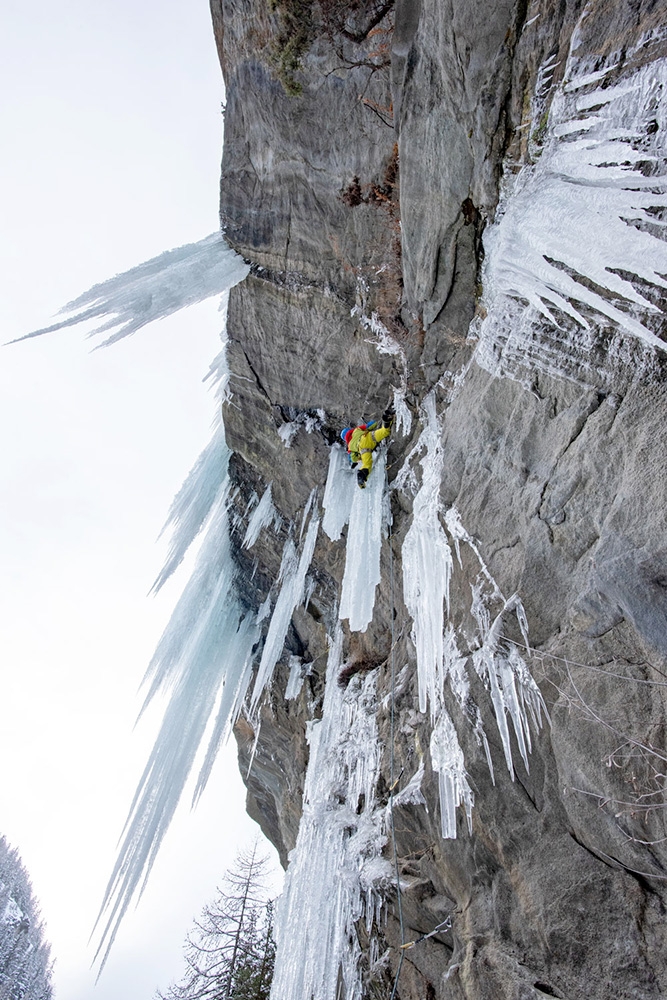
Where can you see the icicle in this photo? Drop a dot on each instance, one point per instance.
(156, 289)
(403, 423)
(263, 514)
(339, 493)
(293, 575)
(567, 227)
(364, 542)
(513, 690)
(412, 793)
(335, 869)
(427, 566)
(447, 760)
(296, 678)
(207, 484)
(306, 512)
(287, 431)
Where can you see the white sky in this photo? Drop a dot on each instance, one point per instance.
(111, 137)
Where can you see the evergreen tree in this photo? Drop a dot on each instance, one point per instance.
(230, 953)
(25, 965)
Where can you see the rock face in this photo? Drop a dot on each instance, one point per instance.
(362, 203)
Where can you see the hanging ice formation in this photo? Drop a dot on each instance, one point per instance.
(335, 873)
(263, 514)
(204, 658)
(586, 212)
(158, 288)
(293, 571)
(427, 567)
(339, 493)
(362, 553)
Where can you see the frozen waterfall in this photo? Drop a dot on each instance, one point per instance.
(579, 234)
(364, 542)
(335, 871)
(293, 572)
(204, 658)
(427, 569)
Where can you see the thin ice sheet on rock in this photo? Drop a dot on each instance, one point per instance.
(579, 234)
(447, 760)
(339, 493)
(403, 422)
(263, 514)
(297, 674)
(335, 870)
(293, 572)
(386, 344)
(364, 543)
(155, 289)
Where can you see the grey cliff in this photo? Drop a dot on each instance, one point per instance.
(369, 192)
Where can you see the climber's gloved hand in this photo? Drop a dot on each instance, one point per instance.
(388, 416)
(362, 478)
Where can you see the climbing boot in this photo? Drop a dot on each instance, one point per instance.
(362, 478)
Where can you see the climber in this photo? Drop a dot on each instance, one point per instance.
(362, 440)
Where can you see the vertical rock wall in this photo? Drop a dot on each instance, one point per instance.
(369, 193)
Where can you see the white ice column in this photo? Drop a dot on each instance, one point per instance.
(364, 542)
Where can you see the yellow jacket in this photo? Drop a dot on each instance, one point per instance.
(363, 442)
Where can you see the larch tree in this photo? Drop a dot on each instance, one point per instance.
(229, 954)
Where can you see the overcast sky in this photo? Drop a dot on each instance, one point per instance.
(111, 136)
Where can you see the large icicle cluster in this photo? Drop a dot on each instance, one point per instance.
(204, 660)
(339, 493)
(155, 289)
(293, 572)
(579, 234)
(427, 567)
(335, 869)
